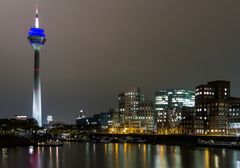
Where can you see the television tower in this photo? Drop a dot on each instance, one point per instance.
(37, 38)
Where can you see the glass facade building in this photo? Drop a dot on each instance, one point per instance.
(174, 98)
(168, 102)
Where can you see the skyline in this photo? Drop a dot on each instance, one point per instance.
(95, 50)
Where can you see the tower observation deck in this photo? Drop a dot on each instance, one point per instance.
(37, 39)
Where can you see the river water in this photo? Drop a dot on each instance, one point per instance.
(114, 155)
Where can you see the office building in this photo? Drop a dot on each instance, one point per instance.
(128, 104)
(168, 105)
(212, 106)
(146, 116)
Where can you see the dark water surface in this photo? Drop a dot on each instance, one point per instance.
(87, 155)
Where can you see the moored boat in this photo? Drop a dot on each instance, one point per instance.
(218, 144)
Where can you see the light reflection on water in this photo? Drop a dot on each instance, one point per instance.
(116, 155)
(206, 158)
(4, 157)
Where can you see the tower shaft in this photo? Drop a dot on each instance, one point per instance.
(37, 104)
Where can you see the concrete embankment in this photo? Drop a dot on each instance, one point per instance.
(170, 139)
(13, 140)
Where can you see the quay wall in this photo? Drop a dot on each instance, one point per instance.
(170, 139)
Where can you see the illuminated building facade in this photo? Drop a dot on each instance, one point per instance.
(100, 122)
(128, 104)
(135, 115)
(37, 39)
(233, 115)
(212, 106)
(168, 105)
(146, 116)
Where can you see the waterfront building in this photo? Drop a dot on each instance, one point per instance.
(89, 122)
(187, 125)
(190, 123)
(146, 116)
(115, 118)
(100, 122)
(128, 104)
(134, 114)
(37, 38)
(106, 119)
(133, 126)
(142, 123)
(187, 120)
(233, 116)
(212, 106)
(168, 105)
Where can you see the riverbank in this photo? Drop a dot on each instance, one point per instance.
(192, 140)
(10, 140)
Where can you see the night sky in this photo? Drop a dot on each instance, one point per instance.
(98, 48)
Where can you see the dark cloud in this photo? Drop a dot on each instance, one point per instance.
(96, 49)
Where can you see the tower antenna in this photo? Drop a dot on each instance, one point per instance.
(36, 17)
